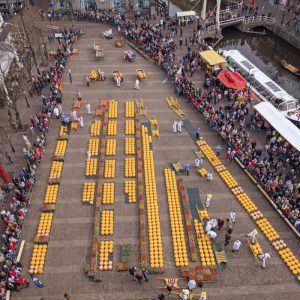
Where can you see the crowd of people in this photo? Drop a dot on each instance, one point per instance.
(20, 187)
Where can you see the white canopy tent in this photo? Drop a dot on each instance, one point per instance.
(285, 127)
(182, 14)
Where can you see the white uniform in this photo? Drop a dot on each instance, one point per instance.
(179, 126)
(137, 84)
(118, 80)
(175, 127)
(212, 234)
(88, 154)
(88, 108)
(56, 112)
(236, 245)
(232, 216)
(208, 200)
(263, 258)
(197, 163)
(252, 235)
(74, 115)
(192, 284)
(209, 176)
(81, 122)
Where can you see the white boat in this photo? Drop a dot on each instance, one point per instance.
(263, 86)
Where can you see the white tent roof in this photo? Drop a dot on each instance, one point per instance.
(285, 127)
(190, 13)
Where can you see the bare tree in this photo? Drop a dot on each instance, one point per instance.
(11, 80)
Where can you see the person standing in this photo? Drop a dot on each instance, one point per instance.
(198, 131)
(132, 272)
(179, 126)
(236, 246)
(8, 157)
(145, 274)
(169, 288)
(197, 163)
(118, 81)
(208, 200)
(137, 84)
(227, 239)
(70, 76)
(192, 285)
(220, 224)
(56, 112)
(187, 168)
(232, 216)
(88, 81)
(88, 108)
(218, 150)
(209, 176)
(175, 127)
(139, 278)
(80, 120)
(88, 155)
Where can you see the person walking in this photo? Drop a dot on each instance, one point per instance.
(137, 84)
(70, 76)
(8, 157)
(145, 274)
(169, 288)
(56, 112)
(236, 246)
(197, 163)
(263, 257)
(139, 278)
(192, 285)
(179, 126)
(220, 224)
(88, 108)
(186, 168)
(174, 127)
(88, 81)
(132, 272)
(232, 216)
(208, 200)
(209, 176)
(198, 131)
(218, 150)
(252, 235)
(80, 120)
(212, 234)
(227, 239)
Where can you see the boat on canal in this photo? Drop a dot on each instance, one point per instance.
(290, 68)
(263, 86)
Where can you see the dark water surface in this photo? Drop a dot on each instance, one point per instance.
(266, 51)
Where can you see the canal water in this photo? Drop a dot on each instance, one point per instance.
(266, 51)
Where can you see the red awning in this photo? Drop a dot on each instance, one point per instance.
(232, 80)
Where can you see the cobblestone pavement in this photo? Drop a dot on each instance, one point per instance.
(71, 234)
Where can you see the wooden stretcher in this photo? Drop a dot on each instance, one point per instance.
(99, 54)
(172, 281)
(174, 104)
(141, 74)
(220, 255)
(154, 126)
(191, 296)
(103, 104)
(119, 42)
(142, 108)
(253, 248)
(77, 104)
(177, 166)
(199, 154)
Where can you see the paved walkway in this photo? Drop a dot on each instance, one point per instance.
(71, 233)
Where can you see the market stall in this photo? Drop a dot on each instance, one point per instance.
(213, 60)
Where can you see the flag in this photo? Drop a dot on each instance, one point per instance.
(37, 282)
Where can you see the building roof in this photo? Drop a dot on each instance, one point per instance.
(285, 127)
